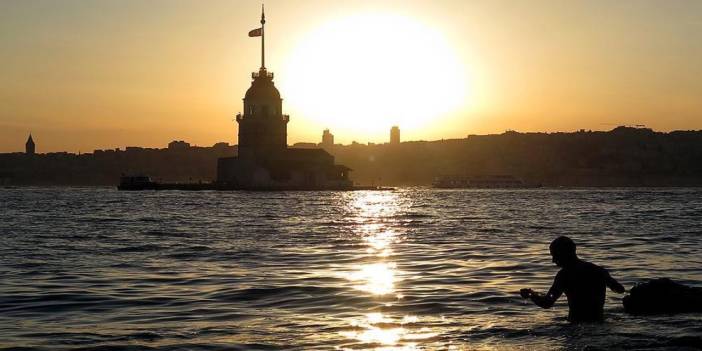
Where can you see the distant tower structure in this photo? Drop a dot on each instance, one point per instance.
(29, 147)
(263, 128)
(395, 135)
(264, 160)
(327, 139)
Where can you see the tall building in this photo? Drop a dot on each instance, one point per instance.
(395, 135)
(29, 147)
(264, 160)
(327, 139)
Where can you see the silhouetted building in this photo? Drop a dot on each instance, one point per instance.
(29, 147)
(178, 145)
(395, 135)
(133, 149)
(327, 139)
(304, 146)
(264, 159)
(221, 146)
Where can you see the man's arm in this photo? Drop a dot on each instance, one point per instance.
(545, 301)
(613, 284)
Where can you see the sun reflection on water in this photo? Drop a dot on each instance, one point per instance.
(371, 209)
(379, 243)
(377, 274)
(375, 278)
(377, 328)
(375, 204)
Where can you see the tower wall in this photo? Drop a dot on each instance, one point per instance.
(263, 128)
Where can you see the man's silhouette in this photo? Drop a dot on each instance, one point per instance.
(583, 283)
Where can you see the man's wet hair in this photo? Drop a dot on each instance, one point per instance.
(563, 245)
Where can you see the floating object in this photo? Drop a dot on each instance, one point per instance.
(663, 296)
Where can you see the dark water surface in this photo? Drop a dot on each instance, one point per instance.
(413, 269)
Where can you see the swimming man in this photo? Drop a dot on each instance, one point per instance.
(583, 283)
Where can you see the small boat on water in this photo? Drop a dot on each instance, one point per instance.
(480, 182)
(136, 182)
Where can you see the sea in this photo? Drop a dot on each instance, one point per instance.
(409, 269)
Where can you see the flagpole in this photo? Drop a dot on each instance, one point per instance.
(263, 39)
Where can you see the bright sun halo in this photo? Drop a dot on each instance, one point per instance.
(362, 74)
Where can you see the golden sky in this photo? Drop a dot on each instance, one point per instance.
(84, 75)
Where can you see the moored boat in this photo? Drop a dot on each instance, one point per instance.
(136, 182)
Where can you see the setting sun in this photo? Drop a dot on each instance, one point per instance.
(350, 175)
(363, 73)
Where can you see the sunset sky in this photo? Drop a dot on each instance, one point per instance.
(84, 75)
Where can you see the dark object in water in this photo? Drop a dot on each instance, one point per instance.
(662, 296)
(136, 182)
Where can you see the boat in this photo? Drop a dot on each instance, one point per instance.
(136, 182)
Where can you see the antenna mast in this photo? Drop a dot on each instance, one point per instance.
(263, 39)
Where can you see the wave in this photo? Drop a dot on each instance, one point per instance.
(248, 271)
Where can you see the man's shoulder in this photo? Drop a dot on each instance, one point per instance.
(585, 265)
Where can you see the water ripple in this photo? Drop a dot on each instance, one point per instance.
(412, 269)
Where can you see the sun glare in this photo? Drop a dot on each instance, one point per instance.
(360, 75)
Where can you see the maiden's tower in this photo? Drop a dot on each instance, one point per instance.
(264, 160)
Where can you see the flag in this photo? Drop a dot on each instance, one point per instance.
(256, 32)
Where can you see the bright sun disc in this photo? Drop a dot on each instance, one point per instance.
(362, 74)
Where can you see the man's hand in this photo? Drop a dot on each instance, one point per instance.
(619, 289)
(614, 284)
(543, 301)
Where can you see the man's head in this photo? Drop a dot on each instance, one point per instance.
(563, 251)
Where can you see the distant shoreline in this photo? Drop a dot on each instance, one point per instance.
(623, 157)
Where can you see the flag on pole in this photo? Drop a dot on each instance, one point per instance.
(256, 32)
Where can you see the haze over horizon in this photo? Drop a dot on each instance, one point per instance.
(104, 74)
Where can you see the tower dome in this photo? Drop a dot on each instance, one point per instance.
(262, 87)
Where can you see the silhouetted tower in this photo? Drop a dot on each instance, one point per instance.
(263, 127)
(29, 147)
(327, 139)
(395, 135)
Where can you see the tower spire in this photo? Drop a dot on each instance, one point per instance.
(263, 39)
(29, 146)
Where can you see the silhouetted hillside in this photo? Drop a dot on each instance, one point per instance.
(622, 157)
(179, 163)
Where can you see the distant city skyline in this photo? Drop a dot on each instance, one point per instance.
(82, 75)
(326, 140)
